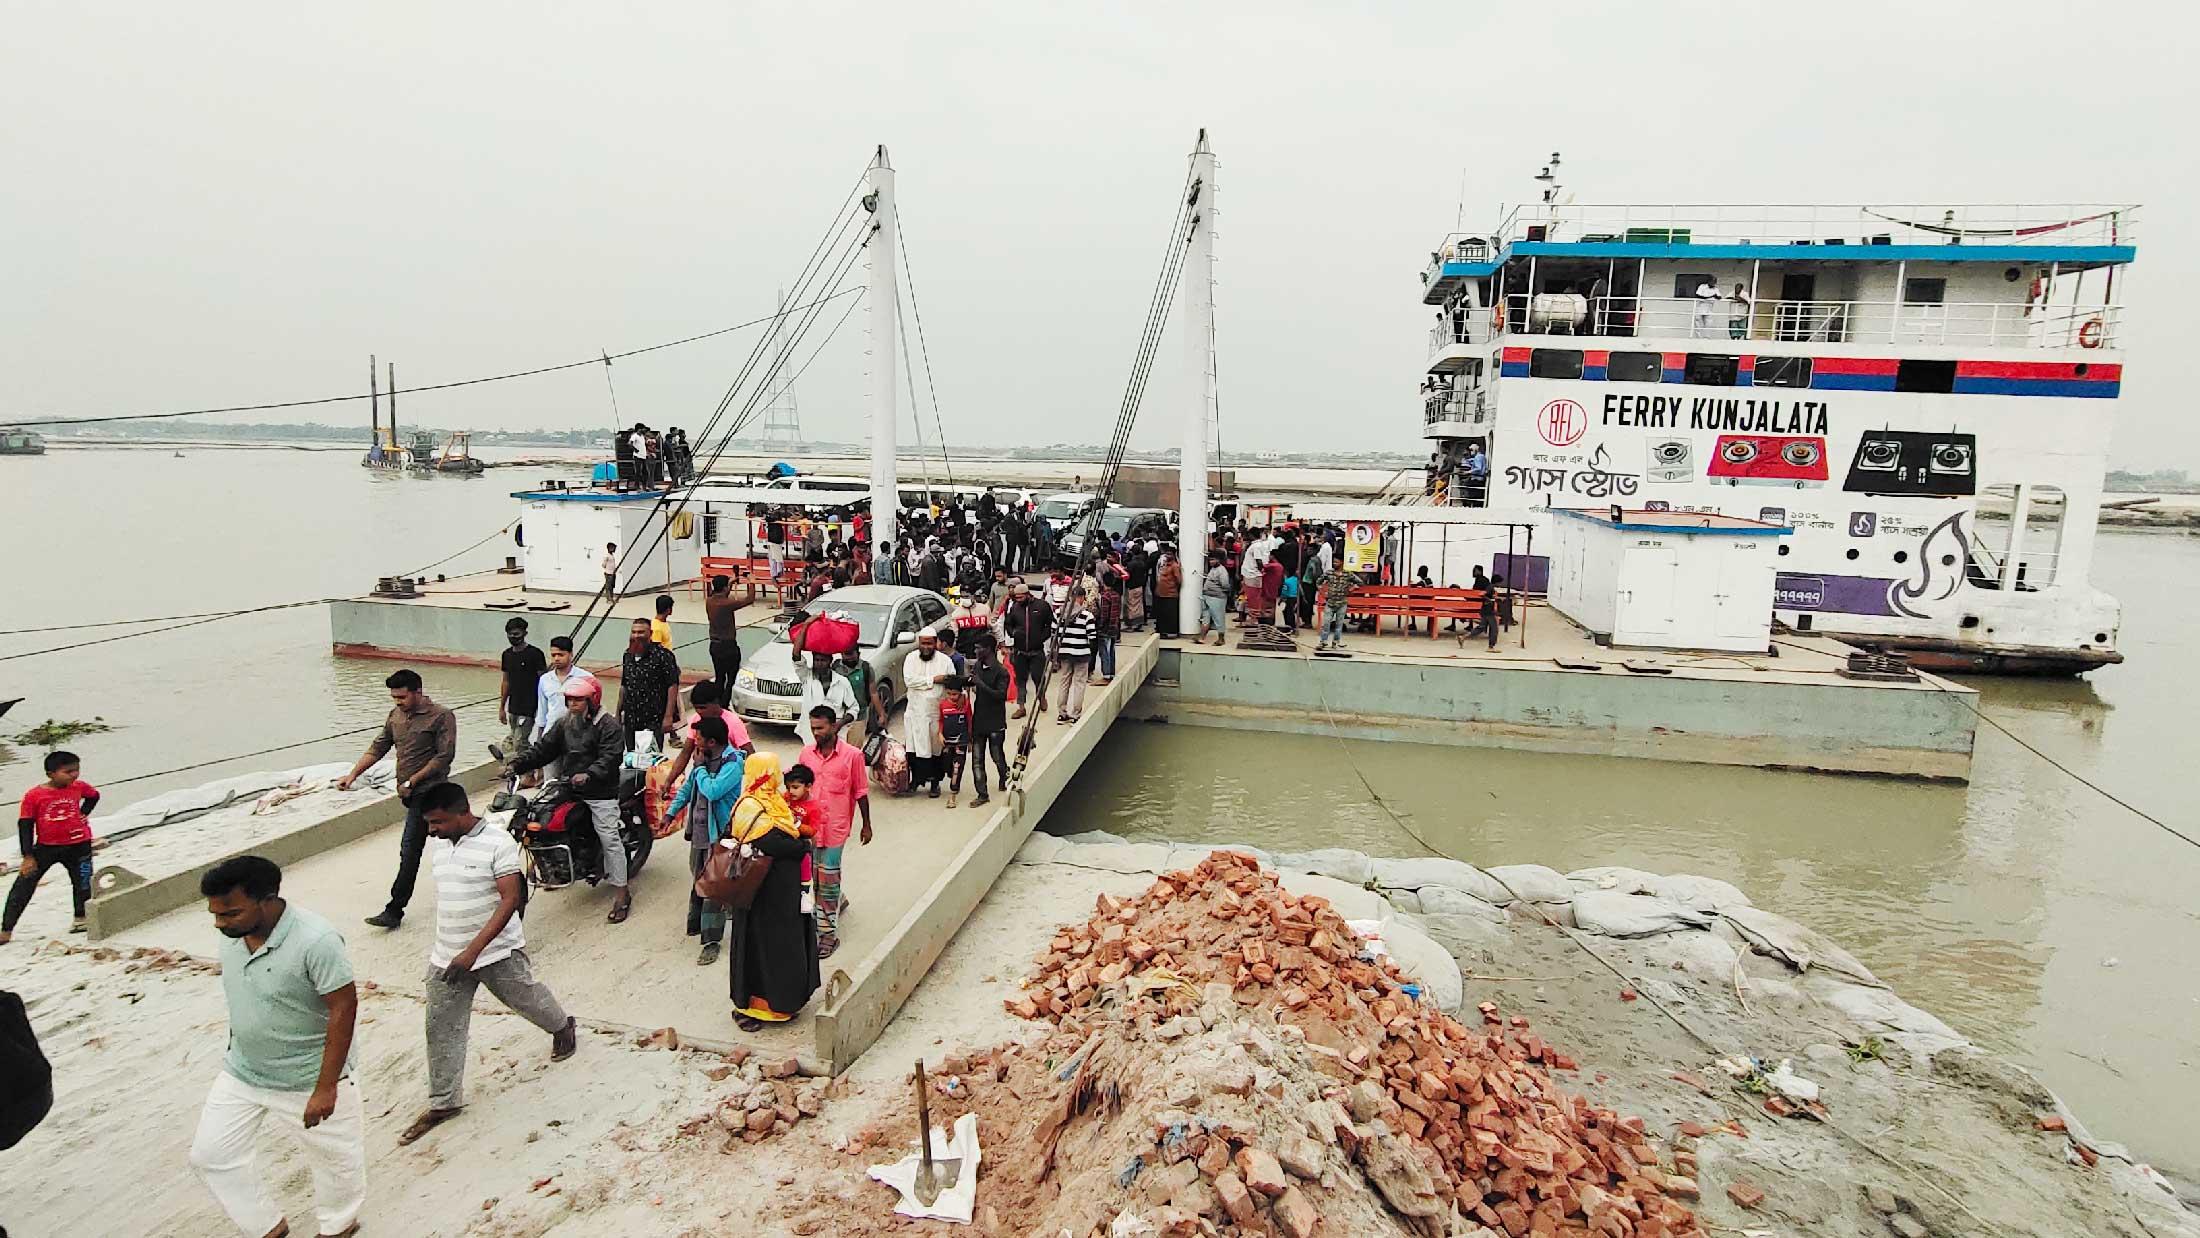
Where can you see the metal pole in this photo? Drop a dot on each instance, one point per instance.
(1529, 553)
(885, 480)
(394, 448)
(1901, 287)
(1199, 360)
(1512, 569)
(374, 406)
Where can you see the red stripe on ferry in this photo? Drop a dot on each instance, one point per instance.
(1855, 365)
(2059, 371)
(1596, 356)
(1516, 354)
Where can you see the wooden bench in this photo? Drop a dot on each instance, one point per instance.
(1409, 603)
(753, 576)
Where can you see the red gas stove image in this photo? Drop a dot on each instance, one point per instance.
(1769, 460)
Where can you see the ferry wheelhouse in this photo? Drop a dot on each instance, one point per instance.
(1923, 393)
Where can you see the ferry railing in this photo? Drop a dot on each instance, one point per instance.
(1474, 327)
(2012, 324)
(2036, 547)
(1466, 408)
(2054, 223)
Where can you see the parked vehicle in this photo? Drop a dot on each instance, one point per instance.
(1060, 510)
(1130, 523)
(888, 618)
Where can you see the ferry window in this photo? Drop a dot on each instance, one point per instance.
(1635, 367)
(1554, 363)
(1917, 375)
(1783, 371)
(1922, 290)
(1685, 286)
(1711, 370)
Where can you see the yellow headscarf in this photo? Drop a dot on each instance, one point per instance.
(763, 805)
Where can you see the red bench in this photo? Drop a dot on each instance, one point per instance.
(1410, 603)
(751, 575)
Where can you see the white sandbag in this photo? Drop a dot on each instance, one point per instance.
(1349, 901)
(1703, 893)
(1608, 913)
(1428, 871)
(1423, 961)
(1447, 901)
(1613, 877)
(1337, 862)
(1799, 947)
(1535, 882)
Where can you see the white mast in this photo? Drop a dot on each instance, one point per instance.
(1199, 360)
(885, 482)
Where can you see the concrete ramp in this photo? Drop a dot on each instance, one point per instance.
(908, 892)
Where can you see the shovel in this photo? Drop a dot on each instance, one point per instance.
(933, 1177)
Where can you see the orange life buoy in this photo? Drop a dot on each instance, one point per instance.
(1497, 315)
(2092, 333)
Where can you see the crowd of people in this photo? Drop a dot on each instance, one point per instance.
(649, 460)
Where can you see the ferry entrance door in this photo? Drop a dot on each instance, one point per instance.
(1791, 321)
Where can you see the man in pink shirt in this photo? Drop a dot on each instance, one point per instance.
(842, 789)
(708, 704)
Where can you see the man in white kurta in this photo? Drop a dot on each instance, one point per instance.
(921, 673)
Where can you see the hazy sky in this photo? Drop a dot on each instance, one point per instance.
(239, 202)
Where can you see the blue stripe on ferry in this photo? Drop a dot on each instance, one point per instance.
(2074, 255)
(1674, 376)
(1592, 373)
(1852, 382)
(2079, 388)
(1510, 369)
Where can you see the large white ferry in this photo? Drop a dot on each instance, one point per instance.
(1904, 385)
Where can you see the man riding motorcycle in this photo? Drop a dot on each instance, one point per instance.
(589, 746)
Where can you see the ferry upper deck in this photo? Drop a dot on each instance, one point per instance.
(1980, 297)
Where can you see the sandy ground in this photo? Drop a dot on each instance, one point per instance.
(620, 1141)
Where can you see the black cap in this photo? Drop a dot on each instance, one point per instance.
(515, 624)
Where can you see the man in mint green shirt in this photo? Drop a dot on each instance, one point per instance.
(292, 1009)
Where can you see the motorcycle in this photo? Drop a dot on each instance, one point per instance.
(552, 827)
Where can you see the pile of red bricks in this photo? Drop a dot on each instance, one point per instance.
(1499, 1139)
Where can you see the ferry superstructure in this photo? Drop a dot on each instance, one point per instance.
(1904, 385)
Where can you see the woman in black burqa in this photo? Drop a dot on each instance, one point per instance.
(772, 944)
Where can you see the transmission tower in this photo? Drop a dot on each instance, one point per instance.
(782, 421)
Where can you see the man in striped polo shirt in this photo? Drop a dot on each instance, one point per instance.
(1079, 637)
(478, 941)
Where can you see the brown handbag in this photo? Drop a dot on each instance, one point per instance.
(732, 875)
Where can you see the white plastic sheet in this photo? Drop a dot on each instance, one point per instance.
(958, 1201)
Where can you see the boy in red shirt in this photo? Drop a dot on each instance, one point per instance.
(53, 831)
(954, 733)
